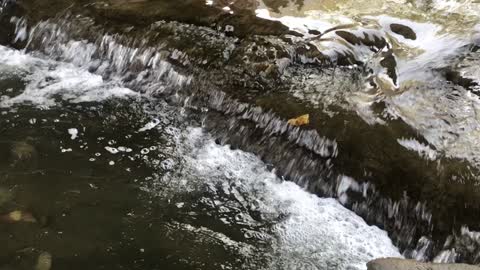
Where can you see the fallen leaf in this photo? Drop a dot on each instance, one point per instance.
(18, 216)
(300, 121)
(15, 216)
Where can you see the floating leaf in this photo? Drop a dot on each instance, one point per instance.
(300, 121)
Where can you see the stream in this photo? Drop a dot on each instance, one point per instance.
(155, 134)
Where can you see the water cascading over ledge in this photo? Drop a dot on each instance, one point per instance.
(238, 83)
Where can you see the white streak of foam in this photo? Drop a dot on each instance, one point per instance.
(464, 7)
(420, 148)
(150, 125)
(47, 81)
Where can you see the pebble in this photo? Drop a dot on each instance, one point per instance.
(44, 261)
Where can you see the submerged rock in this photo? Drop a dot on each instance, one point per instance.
(44, 261)
(400, 264)
(22, 154)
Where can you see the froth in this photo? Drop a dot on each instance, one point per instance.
(314, 233)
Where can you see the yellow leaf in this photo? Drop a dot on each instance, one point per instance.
(300, 121)
(15, 216)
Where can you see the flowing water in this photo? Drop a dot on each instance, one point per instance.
(154, 134)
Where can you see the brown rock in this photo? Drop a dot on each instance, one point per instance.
(403, 30)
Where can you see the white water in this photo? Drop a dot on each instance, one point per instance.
(48, 81)
(447, 117)
(314, 233)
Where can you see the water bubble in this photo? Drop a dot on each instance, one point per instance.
(145, 151)
(112, 150)
(168, 164)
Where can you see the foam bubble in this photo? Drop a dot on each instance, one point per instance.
(73, 133)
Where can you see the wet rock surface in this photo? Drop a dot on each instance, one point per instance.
(403, 30)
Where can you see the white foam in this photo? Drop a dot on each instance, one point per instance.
(49, 81)
(150, 125)
(112, 150)
(433, 46)
(420, 148)
(73, 133)
(315, 233)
